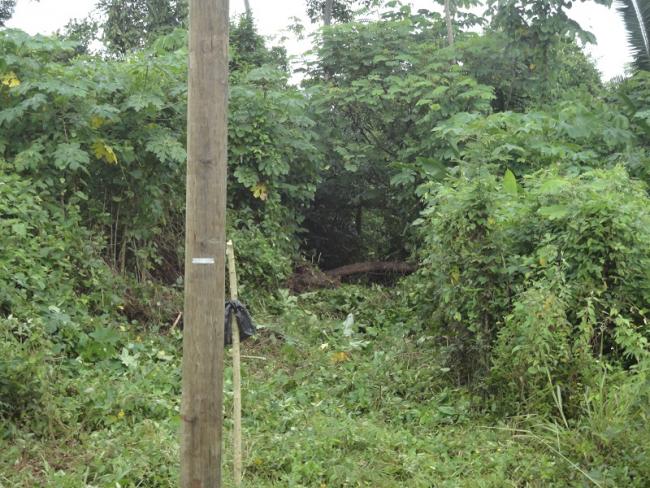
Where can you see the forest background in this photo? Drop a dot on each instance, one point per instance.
(481, 151)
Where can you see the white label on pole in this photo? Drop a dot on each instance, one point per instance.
(202, 260)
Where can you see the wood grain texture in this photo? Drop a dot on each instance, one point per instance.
(203, 334)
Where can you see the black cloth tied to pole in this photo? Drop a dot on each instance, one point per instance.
(244, 320)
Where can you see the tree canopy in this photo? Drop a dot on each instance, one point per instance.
(6, 10)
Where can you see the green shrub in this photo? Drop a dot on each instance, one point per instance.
(533, 346)
(465, 286)
(22, 371)
(47, 258)
(264, 253)
(533, 285)
(613, 432)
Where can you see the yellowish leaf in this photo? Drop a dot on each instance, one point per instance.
(105, 152)
(112, 158)
(260, 191)
(96, 122)
(548, 303)
(455, 277)
(340, 357)
(10, 79)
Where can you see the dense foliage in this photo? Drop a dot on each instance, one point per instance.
(539, 283)
(110, 127)
(47, 257)
(499, 166)
(133, 24)
(379, 89)
(342, 10)
(6, 10)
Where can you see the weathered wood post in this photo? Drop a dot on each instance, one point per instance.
(203, 334)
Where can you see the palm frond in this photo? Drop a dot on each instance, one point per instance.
(636, 15)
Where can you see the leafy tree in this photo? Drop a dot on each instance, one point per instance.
(133, 24)
(451, 10)
(337, 10)
(127, 25)
(379, 89)
(110, 137)
(631, 96)
(248, 49)
(529, 54)
(545, 21)
(636, 15)
(6, 10)
(575, 134)
(83, 31)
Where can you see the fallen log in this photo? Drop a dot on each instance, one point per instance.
(309, 277)
(371, 267)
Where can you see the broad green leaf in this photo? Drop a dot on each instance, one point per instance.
(553, 185)
(19, 228)
(166, 147)
(554, 212)
(510, 183)
(140, 101)
(70, 156)
(30, 158)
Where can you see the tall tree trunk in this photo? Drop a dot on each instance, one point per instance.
(329, 6)
(448, 18)
(249, 12)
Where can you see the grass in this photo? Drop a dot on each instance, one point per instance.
(320, 410)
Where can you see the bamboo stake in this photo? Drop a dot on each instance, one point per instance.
(236, 371)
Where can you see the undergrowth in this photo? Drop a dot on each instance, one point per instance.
(326, 404)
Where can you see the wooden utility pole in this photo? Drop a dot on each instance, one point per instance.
(236, 371)
(249, 12)
(203, 334)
